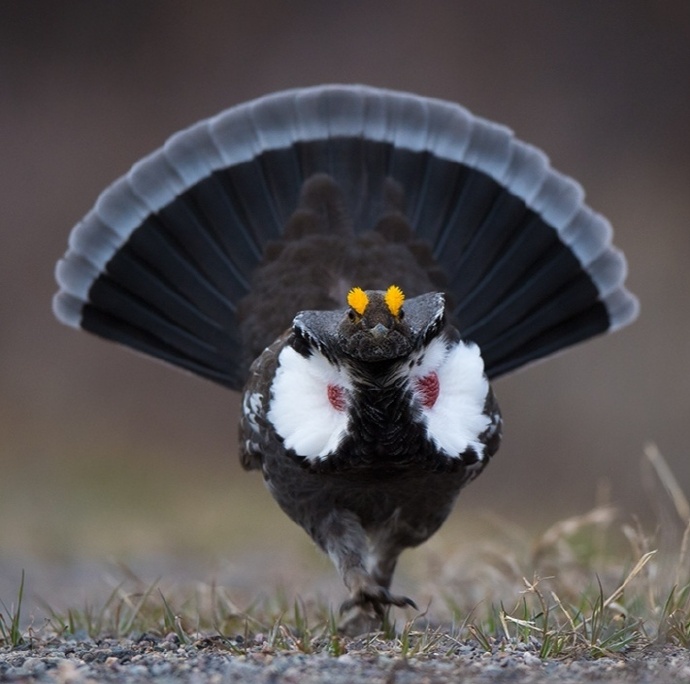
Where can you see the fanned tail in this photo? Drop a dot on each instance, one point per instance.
(167, 256)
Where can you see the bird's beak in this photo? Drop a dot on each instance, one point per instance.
(379, 331)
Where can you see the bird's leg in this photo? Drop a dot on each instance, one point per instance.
(382, 566)
(342, 536)
(383, 558)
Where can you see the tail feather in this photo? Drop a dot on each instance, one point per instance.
(250, 193)
(121, 209)
(213, 206)
(192, 153)
(572, 331)
(507, 330)
(208, 365)
(513, 266)
(505, 219)
(284, 177)
(155, 269)
(621, 308)
(166, 257)
(431, 211)
(195, 228)
(141, 315)
(476, 197)
(94, 240)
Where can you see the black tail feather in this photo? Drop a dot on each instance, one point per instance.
(572, 331)
(168, 255)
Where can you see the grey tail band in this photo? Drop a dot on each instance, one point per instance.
(163, 260)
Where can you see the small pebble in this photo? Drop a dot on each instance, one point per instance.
(161, 660)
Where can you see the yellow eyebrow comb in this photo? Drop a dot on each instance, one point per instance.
(357, 299)
(394, 299)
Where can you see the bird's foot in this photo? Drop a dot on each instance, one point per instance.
(366, 609)
(377, 598)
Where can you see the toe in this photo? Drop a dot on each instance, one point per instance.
(402, 602)
(377, 598)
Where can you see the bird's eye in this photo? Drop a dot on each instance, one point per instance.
(401, 314)
(351, 315)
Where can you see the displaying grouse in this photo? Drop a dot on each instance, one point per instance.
(360, 263)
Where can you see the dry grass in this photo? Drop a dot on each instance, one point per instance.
(591, 585)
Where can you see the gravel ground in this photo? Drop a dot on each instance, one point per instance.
(155, 659)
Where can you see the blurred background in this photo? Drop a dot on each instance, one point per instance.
(108, 457)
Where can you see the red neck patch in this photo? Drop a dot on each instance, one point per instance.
(428, 388)
(336, 396)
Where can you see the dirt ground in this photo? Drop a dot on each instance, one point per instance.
(151, 659)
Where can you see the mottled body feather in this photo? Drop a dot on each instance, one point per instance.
(230, 252)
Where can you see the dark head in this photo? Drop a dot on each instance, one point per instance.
(376, 327)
